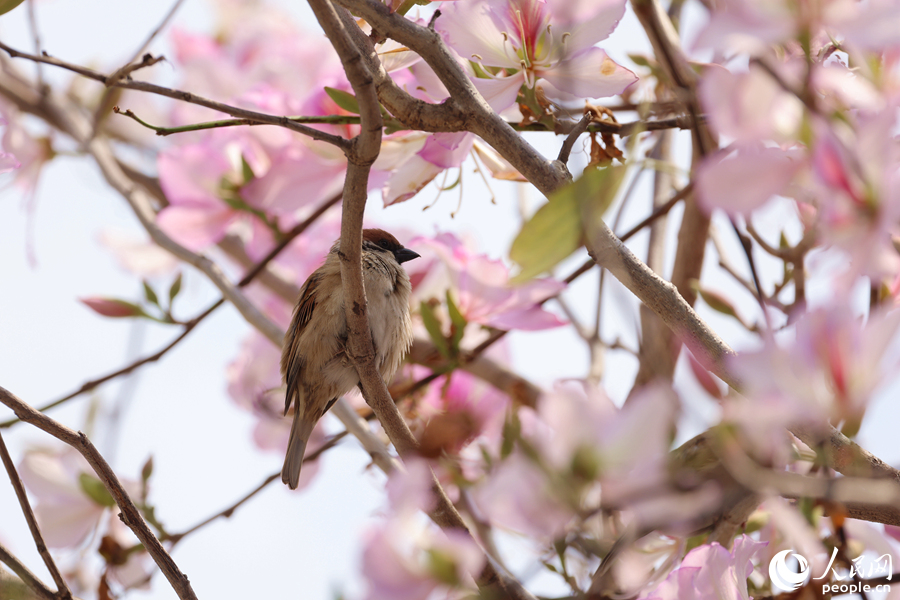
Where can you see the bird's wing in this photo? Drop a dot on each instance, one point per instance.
(291, 359)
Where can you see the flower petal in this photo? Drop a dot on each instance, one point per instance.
(408, 180)
(590, 74)
(474, 31)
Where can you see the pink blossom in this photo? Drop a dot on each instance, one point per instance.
(830, 370)
(197, 180)
(63, 509)
(406, 558)
(753, 25)
(22, 152)
(455, 410)
(138, 255)
(404, 561)
(518, 495)
(252, 48)
(552, 40)
(740, 180)
(481, 289)
(626, 448)
(710, 572)
(750, 107)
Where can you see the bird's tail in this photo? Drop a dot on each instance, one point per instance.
(300, 431)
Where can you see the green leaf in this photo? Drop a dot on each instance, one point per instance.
(715, 301)
(246, 170)
(783, 241)
(95, 490)
(176, 287)
(150, 295)
(114, 307)
(433, 326)
(556, 229)
(512, 429)
(640, 60)
(458, 321)
(343, 99)
(442, 567)
(8, 5)
(147, 470)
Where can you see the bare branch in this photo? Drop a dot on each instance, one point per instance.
(130, 514)
(62, 589)
(661, 297)
(28, 578)
(234, 111)
(131, 66)
(226, 513)
(573, 136)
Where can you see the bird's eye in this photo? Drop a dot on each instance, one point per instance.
(385, 244)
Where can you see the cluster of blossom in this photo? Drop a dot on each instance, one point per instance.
(812, 120)
(74, 512)
(806, 97)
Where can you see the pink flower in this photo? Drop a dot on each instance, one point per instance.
(201, 182)
(453, 413)
(518, 495)
(481, 289)
(60, 481)
(830, 370)
(740, 180)
(251, 48)
(750, 107)
(551, 40)
(406, 558)
(138, 255)
(8, 161)
(23, 152)
(710, 572)
(586, 427)
(404, 561)
(753, 25)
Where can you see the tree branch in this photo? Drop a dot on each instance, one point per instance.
(234, 111)
(27, 577)
(61, 587)
(130, 514)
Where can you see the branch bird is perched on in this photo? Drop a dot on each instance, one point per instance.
(315, 368)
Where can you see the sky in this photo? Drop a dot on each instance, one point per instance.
(178, 410)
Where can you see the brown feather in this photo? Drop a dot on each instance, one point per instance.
(291, 358)
(382, 238)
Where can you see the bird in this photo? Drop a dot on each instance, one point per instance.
(314, 365)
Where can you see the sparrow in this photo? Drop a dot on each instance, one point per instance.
(314, 365)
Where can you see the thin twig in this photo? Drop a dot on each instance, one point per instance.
(622, 129)
(27, 577)
(188, 97)
(130, 66)
(747, 246)
(573, 136)
(16, 481)
(227, 512)
(36, 36)
(659, 211)
(189, 326)
(130, 514)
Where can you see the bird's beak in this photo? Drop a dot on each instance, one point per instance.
(404, 254)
